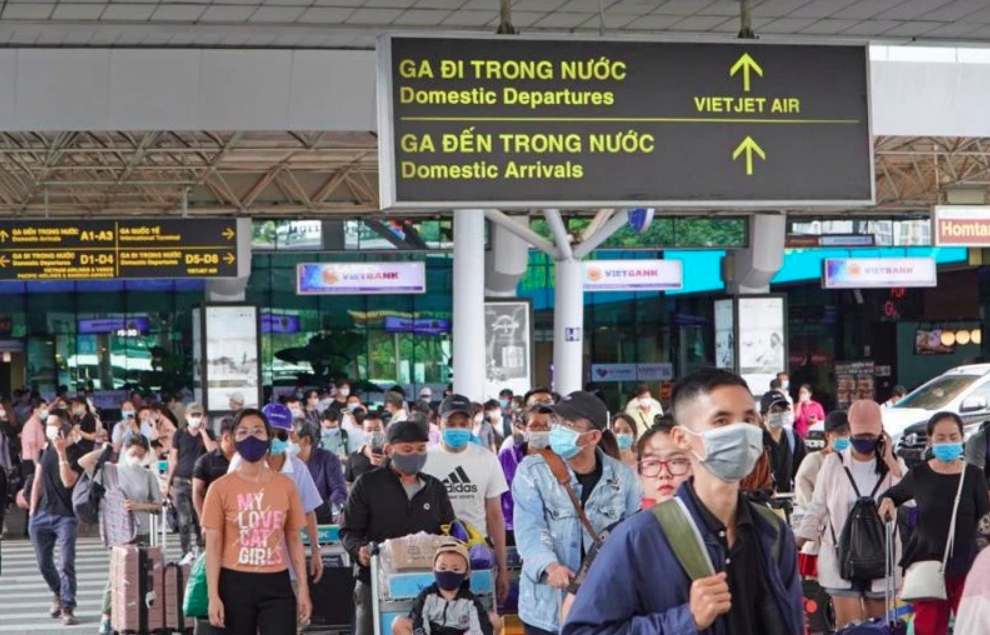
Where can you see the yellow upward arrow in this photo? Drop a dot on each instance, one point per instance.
(749, 147)
(745, 64)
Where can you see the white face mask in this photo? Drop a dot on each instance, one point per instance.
(130, 460)
(195, 422)
(52, 432)
(344, 392)
(784, 385)
(645, 403)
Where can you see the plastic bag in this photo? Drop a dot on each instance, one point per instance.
(196, 601)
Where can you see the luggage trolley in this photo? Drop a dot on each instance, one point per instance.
(393, 594)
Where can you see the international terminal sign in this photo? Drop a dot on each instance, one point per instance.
(107, 249)
(511, 122)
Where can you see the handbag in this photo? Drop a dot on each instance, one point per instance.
(924, 581)
(196, 599)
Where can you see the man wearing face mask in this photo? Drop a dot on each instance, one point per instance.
(644, 408)
(556, 524)
(188, 444)
(323, 466)
(371, 453)
(530, 435)
(51, 517)
(212, 465)
(755, 587)
(787, 450)
(394, 500)
(473, 478)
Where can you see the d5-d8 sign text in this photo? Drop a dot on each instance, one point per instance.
(511, 122)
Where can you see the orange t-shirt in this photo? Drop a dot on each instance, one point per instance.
(253, 519)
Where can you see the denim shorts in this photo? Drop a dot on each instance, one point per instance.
(858, 589)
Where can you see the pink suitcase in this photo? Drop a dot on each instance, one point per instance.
(137, 589)
(176, 576)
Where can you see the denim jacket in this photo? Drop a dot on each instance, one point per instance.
(548, 529)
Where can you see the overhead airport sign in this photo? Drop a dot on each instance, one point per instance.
(879, 273)
(962, 226)
(107, 249)
(519, 123)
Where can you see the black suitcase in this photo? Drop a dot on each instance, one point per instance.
(333, 596)
(818, 611)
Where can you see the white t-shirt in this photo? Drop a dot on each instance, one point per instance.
(865, 475)
(471, 477)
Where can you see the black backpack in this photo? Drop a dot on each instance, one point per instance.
(861, 548)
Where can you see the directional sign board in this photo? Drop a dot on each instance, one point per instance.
(104, 249)
(509, 122)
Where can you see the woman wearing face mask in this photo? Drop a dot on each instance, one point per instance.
(807, 411)
(662, 467)
(485, 419)
(929, 484)
(141, 497)
(252, 517)
(626, 432)
(333, 438)
(866, 468)
(323, 466)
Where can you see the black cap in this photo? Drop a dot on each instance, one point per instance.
(582, 405)
(836, 420)
(456, 404)
(408, 431)
(773, 399)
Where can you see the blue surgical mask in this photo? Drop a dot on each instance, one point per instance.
(279, 446)
(841, 444)
(456, 438)
(947, 452)
(731, 451)
(564, 442)
(353, 406)
(503, 403)
(127, 414)
(625, 440)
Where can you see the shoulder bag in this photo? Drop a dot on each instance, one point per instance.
(924, 581)
(559, 471)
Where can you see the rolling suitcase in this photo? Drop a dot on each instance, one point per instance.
(818, 611)
(890, 623)
(333, 596)
(175, 620)
(136, 589)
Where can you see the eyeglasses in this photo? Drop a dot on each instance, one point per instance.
(653, 467)
(242, 433)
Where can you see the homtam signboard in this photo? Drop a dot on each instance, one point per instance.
(961, 226)
(879, 273)
(510, 122)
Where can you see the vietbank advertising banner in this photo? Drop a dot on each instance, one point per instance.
(632, 275)
(365, 278)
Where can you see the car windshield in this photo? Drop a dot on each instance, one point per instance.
(938, 393)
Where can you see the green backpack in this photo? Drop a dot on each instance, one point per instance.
(684, 537)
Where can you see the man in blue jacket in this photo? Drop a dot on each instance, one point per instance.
(637, 586)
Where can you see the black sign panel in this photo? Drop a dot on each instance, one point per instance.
(511, 122)
(104, 249)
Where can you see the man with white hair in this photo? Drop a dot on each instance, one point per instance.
(236, 402)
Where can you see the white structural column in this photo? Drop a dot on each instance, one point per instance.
(469, 303)
(568, 326)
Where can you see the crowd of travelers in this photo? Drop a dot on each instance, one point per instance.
(707, 518)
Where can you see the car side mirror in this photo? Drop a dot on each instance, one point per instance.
(973, 404)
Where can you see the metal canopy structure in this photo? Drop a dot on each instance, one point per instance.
(309, 174)
(355, 23)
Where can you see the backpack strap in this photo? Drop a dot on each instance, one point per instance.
(789, 433)
(563, 477)
(684, 537)
(771, 517)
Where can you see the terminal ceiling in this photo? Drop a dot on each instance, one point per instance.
(355, 23)
(310, 174)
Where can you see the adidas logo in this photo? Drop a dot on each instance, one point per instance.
(457, 482)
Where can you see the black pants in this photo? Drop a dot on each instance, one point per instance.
(257, 603)
(189, 533)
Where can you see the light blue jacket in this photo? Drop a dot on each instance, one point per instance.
(548, 529)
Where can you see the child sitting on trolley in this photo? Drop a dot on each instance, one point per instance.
(447, 607)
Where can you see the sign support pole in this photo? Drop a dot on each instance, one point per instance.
(568, 326)
(469, 303)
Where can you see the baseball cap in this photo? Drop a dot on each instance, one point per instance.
(426, 392)
(773, 399)
(279, 416)
(456, 404)
(453, 546)
(194, 409)
(582, 405)
(836, 420)
(408, 431)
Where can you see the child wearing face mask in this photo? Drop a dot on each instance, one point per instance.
(447, 607)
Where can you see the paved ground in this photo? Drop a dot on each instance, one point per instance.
(25, 598)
